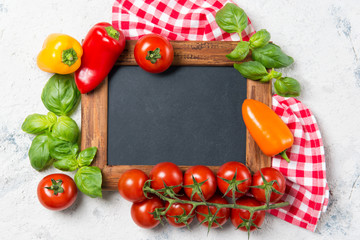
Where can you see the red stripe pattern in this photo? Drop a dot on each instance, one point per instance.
(307, 190)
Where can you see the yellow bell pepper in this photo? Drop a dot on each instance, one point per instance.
(60, 54)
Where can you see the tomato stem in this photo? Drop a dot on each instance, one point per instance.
(153, 56)
(56, 186)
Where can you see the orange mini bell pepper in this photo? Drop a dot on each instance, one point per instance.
(267, 129)
(60, 54)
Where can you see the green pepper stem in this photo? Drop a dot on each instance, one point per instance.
(284, 155)
(69, 56)
(112, 32)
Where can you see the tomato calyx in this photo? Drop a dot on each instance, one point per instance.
(248, 223)
(183, 218)
(210, 218)
(196, 188)
(169, 190)
(158, 213)
(56, 186)
(268, 188)
(153, 56)
(233, 185)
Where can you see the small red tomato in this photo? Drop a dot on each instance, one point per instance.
(57, 191)
(204, 177)
(131, 185)
(221, 217)
(166, 172)
(237, 214)
(225, 175)
(141, 212)
(270, 174)
(153, 53)
(178, 209)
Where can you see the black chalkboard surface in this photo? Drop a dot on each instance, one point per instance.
(186, 115)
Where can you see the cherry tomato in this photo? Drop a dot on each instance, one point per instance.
(130, 185)
(141, 212)
(200, 173)
(57, 191)
(166, 172)
(237, 214)
(221, 217)
(153, 53)
(227, 171)
(270, 174)
(178, 209)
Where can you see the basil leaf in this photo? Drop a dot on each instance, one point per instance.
(287, 87)
(259, 39)
(240, 52)
(89, 180)
(39, 152)
(251, 70)
(271, 56)
(60, 149)
(66, 129)
(231, 18)
(67, 164)
(86, 156)
(60, 94)
(271, 75)
(36, 124)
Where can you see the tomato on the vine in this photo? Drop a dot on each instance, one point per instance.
(179, 209)
(229, 184)
(204, 180)
(57, 191)
(168, 173)
(141, 212)
(153, 53)
(275, 181)
(238, 214)
(202, 213)
(131, 185)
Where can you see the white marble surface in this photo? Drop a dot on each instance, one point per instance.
(322, 36)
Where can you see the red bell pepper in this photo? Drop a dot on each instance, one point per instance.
(101, 48)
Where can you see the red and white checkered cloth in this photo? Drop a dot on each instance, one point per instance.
(307, 190)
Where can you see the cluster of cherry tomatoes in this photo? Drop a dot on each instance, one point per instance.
(200, 184)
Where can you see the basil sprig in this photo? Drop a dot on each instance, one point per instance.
(265, 55)
(259, 39)
(287, 87)
(271, 56)
(60, 94)
(231, 19)
(57, 143)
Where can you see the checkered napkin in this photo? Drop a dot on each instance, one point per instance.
(307, 190)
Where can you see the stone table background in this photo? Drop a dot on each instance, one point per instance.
(322, 36)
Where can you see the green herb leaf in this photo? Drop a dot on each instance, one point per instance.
(240, 52)
(251, 70)
(259, 39)
(231, 18)
(36, 123)
(86, 156)
(66, 129)
(39, 152)
(60, 149)
(287, 87)
(89, 180)
(67, 164)
(271, 56)
(60, 94)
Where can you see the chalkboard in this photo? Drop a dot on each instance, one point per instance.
(187, 115)
(190, 114)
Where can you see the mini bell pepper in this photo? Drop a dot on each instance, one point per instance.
(60, 54)
(267, 129)
(102, 47)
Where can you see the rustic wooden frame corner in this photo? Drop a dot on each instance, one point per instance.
(94, 106)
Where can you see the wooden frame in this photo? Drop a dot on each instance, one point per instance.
(94, 106)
